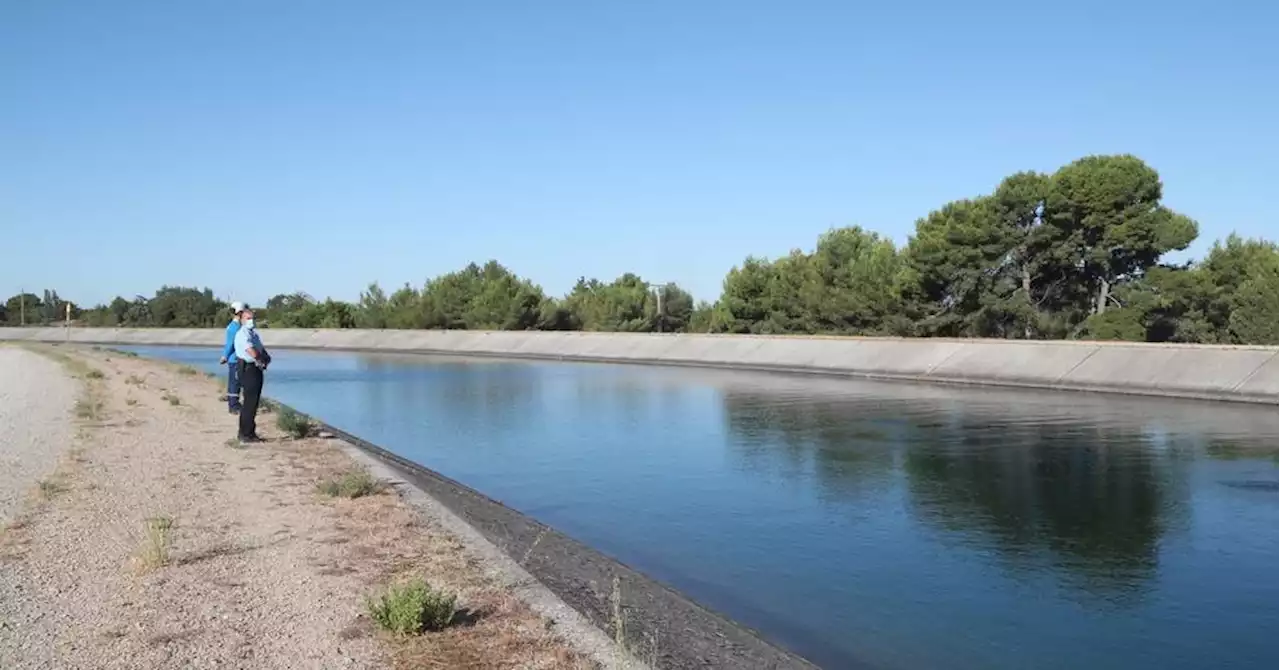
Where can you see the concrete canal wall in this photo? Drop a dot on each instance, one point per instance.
(1230, 373)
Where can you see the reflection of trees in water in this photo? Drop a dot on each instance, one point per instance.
(1240, 449)
(1089, 502)
(1093, 500)
(847, 450)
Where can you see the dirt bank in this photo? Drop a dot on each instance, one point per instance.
(255, 570)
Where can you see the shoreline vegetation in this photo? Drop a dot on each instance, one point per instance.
(1076, 254)
(157, 542)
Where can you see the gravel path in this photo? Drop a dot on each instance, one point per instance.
(36, 400)
(257, 570)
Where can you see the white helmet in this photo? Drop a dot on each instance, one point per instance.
(237, 307)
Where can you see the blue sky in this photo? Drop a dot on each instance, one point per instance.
(260, 147)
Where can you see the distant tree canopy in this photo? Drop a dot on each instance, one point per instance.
(1073, 254)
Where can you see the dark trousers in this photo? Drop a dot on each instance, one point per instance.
(233, 385)
(251, 379)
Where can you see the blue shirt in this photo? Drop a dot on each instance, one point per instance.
(229, 349)
(245, 338)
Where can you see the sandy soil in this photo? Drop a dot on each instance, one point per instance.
(258, 570)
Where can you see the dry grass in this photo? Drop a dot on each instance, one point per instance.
(384, 538)
(51, 487)
(157, 539)
(89, 408)
(187, 370)
(135, 380)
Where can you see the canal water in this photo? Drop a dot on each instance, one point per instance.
(862, 524)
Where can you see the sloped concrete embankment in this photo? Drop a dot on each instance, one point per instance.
(1211, 372)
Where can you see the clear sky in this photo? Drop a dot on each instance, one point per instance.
(265, 147)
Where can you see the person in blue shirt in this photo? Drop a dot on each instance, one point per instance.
(228, 359)
(252, 360)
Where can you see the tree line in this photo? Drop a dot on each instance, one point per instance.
(1072, 254)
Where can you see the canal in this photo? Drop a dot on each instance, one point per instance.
(862, 524)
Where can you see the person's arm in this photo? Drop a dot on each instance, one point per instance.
(248, 345)
(229, 349)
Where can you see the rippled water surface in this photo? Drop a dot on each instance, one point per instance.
(862, 524)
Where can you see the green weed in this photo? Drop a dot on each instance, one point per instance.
(295, 424)
(354, 484)
(412, 607)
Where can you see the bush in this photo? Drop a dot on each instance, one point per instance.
(94, 374)
(410, 608)
(354, 484)
(294, 423)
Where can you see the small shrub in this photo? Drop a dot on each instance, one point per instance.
(88, 408)
(94, 374)
(268, 406)
(187, 370)
(294, 423)
(155, 550)
(410, 608)
(354, 484)
(135, 380)
(172, 399)
(51, 487)
(131, 401)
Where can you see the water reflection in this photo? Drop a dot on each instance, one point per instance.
(1086, 495)
(1094, 501)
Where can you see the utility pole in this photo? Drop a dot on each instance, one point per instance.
(22, 300)
(657, 290)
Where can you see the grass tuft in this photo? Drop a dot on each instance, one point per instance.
(268, 406)
(171, 399)
(187, 370)
(135, 380)
(159, 536)
(94, 374)
(354, 484)
(51, 487)
(294, 423)
(131, 401)
(89, 408)
(412, 607)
